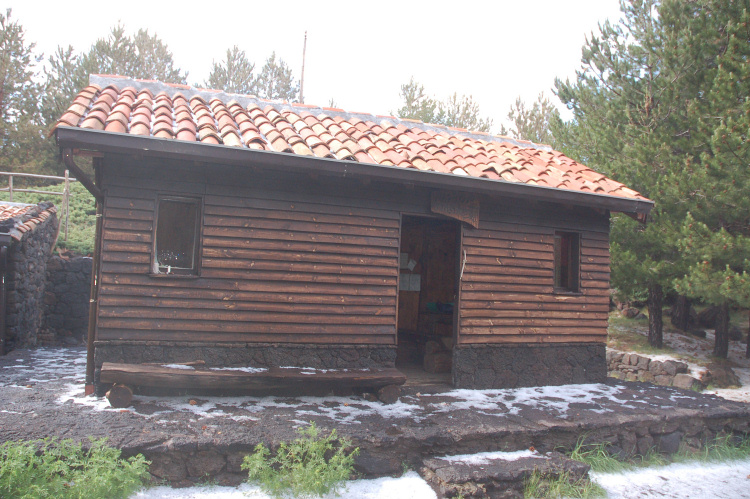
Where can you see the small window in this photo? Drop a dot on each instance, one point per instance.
(567, 261)
(176, 242)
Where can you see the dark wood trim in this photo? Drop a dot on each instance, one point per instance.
(102, 141)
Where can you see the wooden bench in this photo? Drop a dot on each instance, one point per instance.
(385, 381)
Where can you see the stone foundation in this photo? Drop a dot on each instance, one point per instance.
(513, 366)
(247, 354)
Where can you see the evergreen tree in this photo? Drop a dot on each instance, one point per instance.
(716, 234)
(622, 126)
(142, 56)
(417, 104)
(234, 74)
(463, 112)
(532, 123)
(276, 82)
(646, 106)
(20, 120)
(455, 111)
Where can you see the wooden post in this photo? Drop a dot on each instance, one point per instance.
(10, 188)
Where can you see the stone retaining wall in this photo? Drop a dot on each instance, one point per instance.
(66, 301)
(27, 265)
(634, 367)
(185, 466)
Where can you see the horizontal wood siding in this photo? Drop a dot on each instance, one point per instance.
(290, 264)
(507, 293)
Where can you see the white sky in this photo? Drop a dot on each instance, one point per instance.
(358, 53)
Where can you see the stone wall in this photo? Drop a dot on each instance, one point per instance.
(27, 266)
(634, 367)
(513, 366)
(66, 301)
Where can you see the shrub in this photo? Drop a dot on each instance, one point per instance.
(47, 468)
(309, 466)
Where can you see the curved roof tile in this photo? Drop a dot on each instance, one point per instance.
(211, 116)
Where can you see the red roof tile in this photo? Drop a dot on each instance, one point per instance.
(18, 219)
(179, 112)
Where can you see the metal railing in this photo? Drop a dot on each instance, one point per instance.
(67, 179)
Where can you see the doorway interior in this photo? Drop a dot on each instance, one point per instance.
(428, 276)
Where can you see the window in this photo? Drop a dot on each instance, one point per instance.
(177, 238)
(567, 261)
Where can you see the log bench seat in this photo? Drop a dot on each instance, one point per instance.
(251, 380)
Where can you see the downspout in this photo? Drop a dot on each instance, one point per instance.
(94, 289)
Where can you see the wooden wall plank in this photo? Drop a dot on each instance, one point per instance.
(507, 293)
(275, 266)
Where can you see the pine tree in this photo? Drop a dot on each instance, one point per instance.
(417, 104)
(648, 109)
(141, 56)
(20, 120)
(276, 82)
(622, 127)
(716, 234)
(455, 111)
(533, 122)
(234, 74)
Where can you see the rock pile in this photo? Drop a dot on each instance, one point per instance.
(635, 367)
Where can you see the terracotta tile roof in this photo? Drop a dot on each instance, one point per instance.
(177, 112)
(17, 219)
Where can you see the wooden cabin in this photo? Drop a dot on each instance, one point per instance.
(236, 231)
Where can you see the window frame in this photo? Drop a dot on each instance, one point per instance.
(571, 240)
(195, 271)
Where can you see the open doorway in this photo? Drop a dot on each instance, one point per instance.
(427, 297)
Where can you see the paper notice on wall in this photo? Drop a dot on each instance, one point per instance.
(410, 282)
(403, 260)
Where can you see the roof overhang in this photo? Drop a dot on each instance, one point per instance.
(119, 143)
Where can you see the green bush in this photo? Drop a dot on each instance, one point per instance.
(47, 468)
(309, 466)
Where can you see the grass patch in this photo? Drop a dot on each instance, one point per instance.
(724, 448)
(600, 459)
(539, 485)
(82, 221)
(310, 466)
(63, 469)
(623, 334)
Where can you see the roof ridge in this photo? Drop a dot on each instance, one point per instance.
(155, 86)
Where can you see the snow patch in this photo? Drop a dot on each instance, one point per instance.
(487, 457)
(408, 486)
(696, 479)
(242, 369)
(552, 399)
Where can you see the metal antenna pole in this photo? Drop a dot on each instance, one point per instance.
(302, 80)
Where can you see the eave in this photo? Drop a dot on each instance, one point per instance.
(108, 142)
